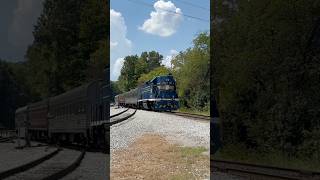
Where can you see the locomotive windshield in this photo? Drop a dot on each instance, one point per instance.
(166, 86)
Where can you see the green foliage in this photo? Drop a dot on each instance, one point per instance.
(69, 48)
(94, 29)
(265, 75)
(134, 66)
(128, 77)
(98, 61)
(13, 91)
(152, 74)
(191, 70)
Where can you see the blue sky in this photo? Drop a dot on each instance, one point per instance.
(133, 30)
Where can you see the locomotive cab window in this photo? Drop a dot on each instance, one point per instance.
(166, 87)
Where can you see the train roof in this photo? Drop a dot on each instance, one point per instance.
(161, 77)
(76, 92)
(141, 85)
(39, 103)
(21, 109)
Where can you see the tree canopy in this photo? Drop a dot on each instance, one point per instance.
(70, 38)
(70, 48)
(266, 75)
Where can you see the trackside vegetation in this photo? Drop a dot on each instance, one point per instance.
(70, 48)
(266, 79)
(190, 68)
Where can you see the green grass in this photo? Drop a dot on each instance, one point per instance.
(193, 111)
(188, 156)
(278, 159)
(191, 151)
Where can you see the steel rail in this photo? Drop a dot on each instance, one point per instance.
(6, 139)
(29, 165)
(62, 173)
(196, 116)
(122, 119)
(117, 114)
(258, 171)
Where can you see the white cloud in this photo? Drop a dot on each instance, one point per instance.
(167, 61)
(163, 22)
(117, 67)
(120, 45)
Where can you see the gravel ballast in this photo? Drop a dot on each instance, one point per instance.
(115, 110)
(177, 129)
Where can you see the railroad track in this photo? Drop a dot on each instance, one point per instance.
(195, 116)
(52, 166)
(117, 114)
(117, 119)
(6, 139)
(255, 171)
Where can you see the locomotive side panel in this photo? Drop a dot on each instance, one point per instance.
(68, 112)
(38, 116)
(95, 107)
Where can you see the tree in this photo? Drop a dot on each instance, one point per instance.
(94, 35)
(128, 78)
(265, 75)
(13, 91)
(194, 90)
(159, 71)
(115, 90)
(98, 61)
(69, 45)
(135, 66)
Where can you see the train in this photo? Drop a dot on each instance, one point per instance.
(158, 94)
(76, 116)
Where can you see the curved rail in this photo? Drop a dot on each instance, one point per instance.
(67, 170)
(117, 114)
(28, 166)
(6, 139)
(122, 119)
(257, 171)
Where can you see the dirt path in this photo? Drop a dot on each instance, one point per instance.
(152, 157)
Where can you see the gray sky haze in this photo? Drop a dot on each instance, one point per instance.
(17, 19)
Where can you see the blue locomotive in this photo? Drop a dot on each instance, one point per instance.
(158, 94)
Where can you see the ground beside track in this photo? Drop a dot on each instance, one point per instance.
(152, 157)
(10, 157)
(155, 143)
(176, 129)
(93, 166)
